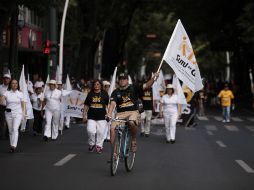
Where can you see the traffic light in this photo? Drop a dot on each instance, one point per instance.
(46, 49)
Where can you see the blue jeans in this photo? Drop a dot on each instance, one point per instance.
(226, 112)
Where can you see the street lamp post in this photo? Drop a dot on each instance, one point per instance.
(62, 40)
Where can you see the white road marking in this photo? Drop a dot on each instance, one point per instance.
(65, 160)
(251, 128)
(211, 127)
(218, 118)
(231, 127)
(251, 119)
(221, 144)
(202, 118)
(210, 133)
(245, 166)
(236, 119)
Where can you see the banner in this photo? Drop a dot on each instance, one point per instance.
(73, 104)
(180, 57)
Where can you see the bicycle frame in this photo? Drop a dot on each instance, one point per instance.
(122, 132)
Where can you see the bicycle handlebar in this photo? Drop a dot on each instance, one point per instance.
(118, 120)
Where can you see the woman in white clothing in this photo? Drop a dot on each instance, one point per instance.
(52, 104)
(15, 111)
(170, 109)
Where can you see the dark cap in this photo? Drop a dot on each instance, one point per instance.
(123, 76)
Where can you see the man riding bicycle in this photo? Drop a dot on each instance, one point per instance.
(125, 99)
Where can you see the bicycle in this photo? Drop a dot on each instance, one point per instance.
(121, 148)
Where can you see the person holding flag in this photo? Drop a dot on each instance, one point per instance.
(15, 111)
(146, 97)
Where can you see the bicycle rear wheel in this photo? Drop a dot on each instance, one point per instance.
(115, 156)
(130, 155)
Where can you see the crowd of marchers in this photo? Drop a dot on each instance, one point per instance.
(133, 102)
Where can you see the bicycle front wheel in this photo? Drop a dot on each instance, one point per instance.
(115, 156)
(130, 155)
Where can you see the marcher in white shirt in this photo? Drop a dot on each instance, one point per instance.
(15, 111)
(62, 117)
(52, 110)
(36, 100)
(170, 109)
(3, 89)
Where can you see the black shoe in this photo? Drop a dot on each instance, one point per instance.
(146, 135)
(91, 148)
(142, 134)
(45, 138)
(172, 141)
(12, 150)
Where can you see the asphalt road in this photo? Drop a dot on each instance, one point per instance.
(212, 156)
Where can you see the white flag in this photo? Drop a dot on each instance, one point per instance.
(68, 83)
(180, 57)
(24, 90)
(129, 79)
(46, 87)
(179, 91)
(158, 86)
(112, 83)
(58, 77)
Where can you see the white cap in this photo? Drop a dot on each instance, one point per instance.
(105, 83)
(59, 82)
(38, 85)
(170, 86)
(52, 82)
(7, 76)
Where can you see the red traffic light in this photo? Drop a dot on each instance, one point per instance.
(46, 49)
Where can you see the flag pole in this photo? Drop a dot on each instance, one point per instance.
(160, 65)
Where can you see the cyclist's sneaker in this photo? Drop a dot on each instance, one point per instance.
(98, 150)
(134, 146)
(91, 148)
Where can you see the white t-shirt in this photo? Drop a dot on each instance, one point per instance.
(35, 102)
(170, 103)
(3, 89)
(53, 99)
(13, 101)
